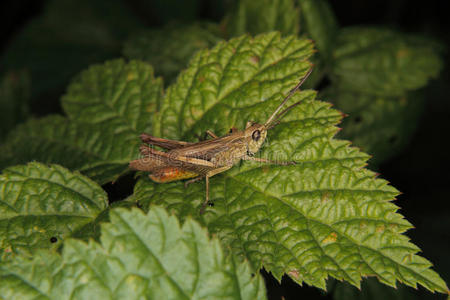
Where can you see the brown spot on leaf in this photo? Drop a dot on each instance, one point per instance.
(150, 107)
(325, 197)
(294, 273)
(402, 53)
(255, 59)
(330, 238)
(393, 227)
(380, 228)
(131, 76)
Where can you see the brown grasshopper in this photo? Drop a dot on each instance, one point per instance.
(184, 160)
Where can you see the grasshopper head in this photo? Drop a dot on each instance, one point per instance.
(255, 134)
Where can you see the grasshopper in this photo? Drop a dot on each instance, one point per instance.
(195, 161)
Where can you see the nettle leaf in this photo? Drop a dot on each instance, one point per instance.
(219, 88)
(14, 97)
(41, 205)
(320, 23)
(108, 106)
(383, 62)
(256, 17)
(169, 49)
(115, 91)
(381, 126)
(140, 256)
(324, 216)
(89, 149)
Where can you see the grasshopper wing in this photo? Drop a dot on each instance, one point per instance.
(155, 160)
(206, 150)
(163, 143)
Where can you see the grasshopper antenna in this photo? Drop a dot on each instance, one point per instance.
(291, 93)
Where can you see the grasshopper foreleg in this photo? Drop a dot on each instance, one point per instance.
(205, 136)
(211, 134)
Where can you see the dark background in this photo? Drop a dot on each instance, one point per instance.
(420, 172)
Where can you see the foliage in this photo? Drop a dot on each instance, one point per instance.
(169, 49)
(42, 205)
(106, 106)
(67, 37)
(14, 96)
(326, 216)
(139, 256)
(262, 16)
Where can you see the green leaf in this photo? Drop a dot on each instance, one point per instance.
(67, 37)
(320, 23)
(169, 49)
(92, 229)
(256, 17)
(108, 106)
(383, 62)
(87, 148)
(140, 257)
(381, 126)
(14, 97)
(324, 216)
(40, 203)
(219, 88)
(114, 93)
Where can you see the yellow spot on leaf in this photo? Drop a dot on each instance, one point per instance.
(133, 281)
(362, 225)
(393, 227)
(380, 228)
(8, 249)
(35, 228)
(84, 279)
(407, 258)
(131, 76)
(330, 239)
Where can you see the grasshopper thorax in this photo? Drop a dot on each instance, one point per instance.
(255, 135)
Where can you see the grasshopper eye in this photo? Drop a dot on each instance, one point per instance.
(256, 135)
